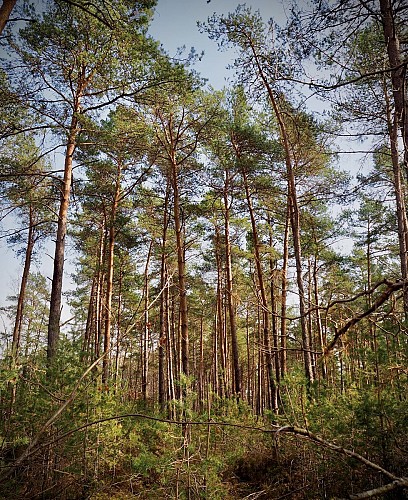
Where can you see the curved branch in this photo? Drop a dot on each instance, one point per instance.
(391, 288)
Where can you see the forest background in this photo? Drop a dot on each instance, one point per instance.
(229, 272)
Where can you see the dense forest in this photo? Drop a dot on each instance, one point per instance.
(238, 320)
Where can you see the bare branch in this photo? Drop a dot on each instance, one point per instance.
(391, 288)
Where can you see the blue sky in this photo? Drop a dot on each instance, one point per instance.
(175, 25)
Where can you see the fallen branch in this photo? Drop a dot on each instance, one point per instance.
(403, 482)
(288, 429)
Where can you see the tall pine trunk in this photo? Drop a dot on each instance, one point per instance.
(109, 278)
(229, 289)
(264, 300)
(181, 268)
(59, 256)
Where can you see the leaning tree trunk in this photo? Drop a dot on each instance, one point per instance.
(31, 239)
(294, 213)
(146, 332)
(23, 285)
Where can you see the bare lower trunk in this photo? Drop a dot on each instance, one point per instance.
(230, 300)
(109, 279)
(322, 340)
(264, 300)
(283, 332)
(164, 332)
(146, 333)
(181, 267)
(23, 285)
(57, 277)
(294, 214)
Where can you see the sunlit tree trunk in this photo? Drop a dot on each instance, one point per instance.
(109, 276)
(219, 357)
(59, 256)
(319, 328)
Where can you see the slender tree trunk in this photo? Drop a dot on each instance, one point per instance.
(109, 278)
(23, 285)
(57, 278)
(219, 358)
(146, 333)
(99, 292)
(398, 72)
(229, 290)
(295, 223)
(399, 191)
(5, 11)
(283, 332)
(262, 290)
(31, 239)
(322, 340)
(169, 344)
(181, 267)
(275, 337)
(294, 215)
(90, 319)
(118, 328)
(163, 340)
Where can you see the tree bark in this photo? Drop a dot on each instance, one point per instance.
(293, 210)
(181, 268)
(58, 272)
(229, 289)
(5, 11)
(398, 72)
(284, 289)
(146, 332)
(109, 276)
(264, 300)
(402, 223)
(23, 285)
(164, 332)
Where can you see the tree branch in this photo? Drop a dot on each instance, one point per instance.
(391, 288)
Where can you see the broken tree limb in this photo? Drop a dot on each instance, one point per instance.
(385, 295)
(399, 483)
